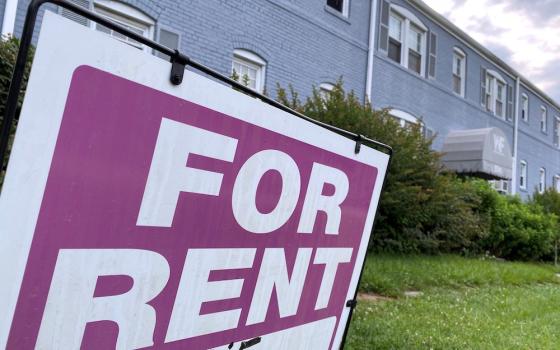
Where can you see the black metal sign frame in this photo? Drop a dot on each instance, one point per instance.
(179, 62)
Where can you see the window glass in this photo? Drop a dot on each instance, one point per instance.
(395, 27)
(557, 132)
(525, 108)
(415, 49)
(325, 90)
(458, 73)
(336, 4)
(248, 69)
(128, 22)
(500, 87)
(523, 175)
(543, 119)
(542, 180)
(415, 39)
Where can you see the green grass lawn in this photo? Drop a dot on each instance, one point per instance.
(466, 304)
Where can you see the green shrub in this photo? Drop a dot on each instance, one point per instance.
(8, 51)
(521, 231)
(422, 209)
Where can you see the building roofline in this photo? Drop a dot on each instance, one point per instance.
(475, 45)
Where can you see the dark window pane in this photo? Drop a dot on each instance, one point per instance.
(414, 61)
(456, 84)
(394, 50)
(335, 4)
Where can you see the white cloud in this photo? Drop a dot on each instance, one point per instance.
(528, 41)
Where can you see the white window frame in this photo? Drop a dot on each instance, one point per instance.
(409, 19)
(252, 60)
(345, 8)
(556, 131)
(325, 89)
(459, 54)
(524, 107)
(403, 117)
(493, 79)
(556, 183)
(125, 15)
(542, 180)
(544, 119)
(523, 175)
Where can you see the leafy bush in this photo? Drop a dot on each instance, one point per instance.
(8, 51)
(521, 231)
(422, 209)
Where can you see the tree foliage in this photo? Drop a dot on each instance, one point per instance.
(424, 208)
(9, 47)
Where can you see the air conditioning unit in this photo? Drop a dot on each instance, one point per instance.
(502, 186)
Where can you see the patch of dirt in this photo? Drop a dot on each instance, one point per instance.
(373, 297)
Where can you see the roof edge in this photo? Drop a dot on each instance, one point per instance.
(460, 34)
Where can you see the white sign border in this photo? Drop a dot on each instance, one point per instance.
(63, 46)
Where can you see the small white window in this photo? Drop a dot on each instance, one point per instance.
(523, 175)
(325, 90)
(407, 40)
(405, 119)
(557, 183)
(525, 107)
(543, 119)
(542, 180)
(459, 70)
(557, 132)
(342, 6)
(495, 98)
(126, 16)
(395, 37)
(249, 69)
(415, 48)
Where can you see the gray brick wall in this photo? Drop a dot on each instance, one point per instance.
(302, 42)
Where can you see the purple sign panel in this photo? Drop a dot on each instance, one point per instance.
(164, 223)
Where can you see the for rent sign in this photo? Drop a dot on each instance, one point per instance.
(138, 214)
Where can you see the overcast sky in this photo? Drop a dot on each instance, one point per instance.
(524, 33)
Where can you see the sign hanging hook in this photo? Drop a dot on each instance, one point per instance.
(178, 64)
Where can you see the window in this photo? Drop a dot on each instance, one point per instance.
(523, 175)
(415, 39)
(404, 119)
(543, 119)
(524, 108)
(248, 69)
(407, 40)
(126, 16)
(118, 13)
(494, 88)
(557, 132)
(459, 72)
(168, 39)
(395, 37)
(542, 180)
(556, 180)
(339, 6)
(325, 90)
(500, 94)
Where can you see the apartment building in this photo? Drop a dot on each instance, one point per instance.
(398, 54)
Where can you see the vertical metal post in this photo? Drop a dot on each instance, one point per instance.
(353, 303)
(17, 78)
